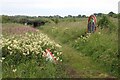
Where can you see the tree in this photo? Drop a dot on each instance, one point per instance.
(69, 15)
(50, 16)
(79, 16)
(5, 19)
(111, 14)
(99, 14)
(95, 14)
(84, 16)
(65, 16)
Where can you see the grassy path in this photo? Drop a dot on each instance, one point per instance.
(77, 65)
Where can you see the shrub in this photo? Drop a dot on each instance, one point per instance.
(17, 49)
(104, 22)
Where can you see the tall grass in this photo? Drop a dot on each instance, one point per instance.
(101, 46)
(31, 69)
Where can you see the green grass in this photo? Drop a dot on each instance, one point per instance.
(31, 69)
(101, 48)
(94, 57)
(66, 31)
(84, 66)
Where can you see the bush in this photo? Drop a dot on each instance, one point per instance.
(18, 49)
(104, 22)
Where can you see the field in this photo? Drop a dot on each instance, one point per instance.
(78, 55)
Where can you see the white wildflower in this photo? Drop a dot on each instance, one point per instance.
(14, 70)
(3, 58)
(15, 41)
(57, 58)
(60, 53)
(61, 60)
(99, 32)
(9, 48)
(54, 57)
(24, 54)
(57, 53)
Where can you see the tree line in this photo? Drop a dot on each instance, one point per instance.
(48, 19)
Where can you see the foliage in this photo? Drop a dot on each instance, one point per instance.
(101, 46)
(55, 20)
(105, 22)
(20, 51)
(5, 19)
(112, 14)
(28, 45)
(24, 19)
(49, 19)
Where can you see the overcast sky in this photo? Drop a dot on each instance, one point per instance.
(57, 7)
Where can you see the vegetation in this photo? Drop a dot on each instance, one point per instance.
(85, 55)
(22, 50)
(101, 46)
(105, 22)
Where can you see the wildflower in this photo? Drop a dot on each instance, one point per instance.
(14, 70)
(15, 41)
(28, 52)
(81, 36)
(9, 42)
(57, 59)
(99, 32)
(87, 36)
(24, 54)
(3, 58)
(11, 52)
(57, 53)
(61, 60)
(54, 57)
(31, 44)
(84, 38)
(60, 53)
(44, 54)
(9, 48)
(14, 46)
